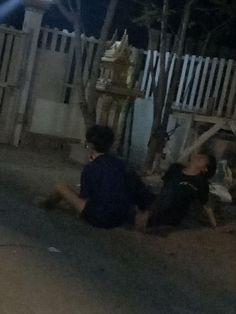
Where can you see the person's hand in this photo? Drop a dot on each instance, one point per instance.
(91, 158)
(141, 220)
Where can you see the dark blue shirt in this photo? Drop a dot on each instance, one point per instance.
(178, 194)
(104, 186)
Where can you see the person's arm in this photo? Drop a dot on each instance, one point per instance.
(211, 216)
(208, 204)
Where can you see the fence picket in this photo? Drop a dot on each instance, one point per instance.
(232, 95)
(12, 45)
(70, 56)
(148, 90)
(170, 74)
(5, 62)
(6, 57)
(146, 69)
(89, 59)
(202, 84)
(225, 88)
(84, 42)
(167, 60)
(157, 76)
(189, 80)
(181, 84)
(15, 64)
(210, 83)
(195, 84)
(218, 83)
(63, 42)
(44, 39)
(55, 35)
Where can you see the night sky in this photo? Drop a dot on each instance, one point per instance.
(93, 13)
(93, 17)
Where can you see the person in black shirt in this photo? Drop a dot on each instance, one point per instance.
(182, 186)
(107, 190)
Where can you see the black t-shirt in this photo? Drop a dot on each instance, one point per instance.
(104, 186)
(178, 193)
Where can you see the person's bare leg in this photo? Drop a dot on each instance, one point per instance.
(69, 195)
(209, 209)
(211, 216)
(141, 220)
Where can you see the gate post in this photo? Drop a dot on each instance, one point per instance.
(34, 11)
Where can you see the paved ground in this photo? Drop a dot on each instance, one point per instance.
(107, 272)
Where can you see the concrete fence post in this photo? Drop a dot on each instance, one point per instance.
(34, 11)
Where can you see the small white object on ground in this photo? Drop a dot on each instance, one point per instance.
(221, 192)
(52, 249)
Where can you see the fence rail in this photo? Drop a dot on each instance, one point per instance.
(206, 85)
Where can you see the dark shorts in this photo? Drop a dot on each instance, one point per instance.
(168, 211)
(104, 217)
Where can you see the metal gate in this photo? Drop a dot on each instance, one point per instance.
(13, 56)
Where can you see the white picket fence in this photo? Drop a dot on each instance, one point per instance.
(206, 85)
(13, 48)
(11, 53)
(53, 94)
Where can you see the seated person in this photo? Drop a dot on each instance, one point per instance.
(107, 191)
(183, 186)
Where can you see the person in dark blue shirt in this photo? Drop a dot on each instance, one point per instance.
(107, 191)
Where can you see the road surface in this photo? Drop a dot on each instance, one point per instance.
(56, 264)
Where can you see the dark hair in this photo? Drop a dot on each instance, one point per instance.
(211, 167)
(101, 137)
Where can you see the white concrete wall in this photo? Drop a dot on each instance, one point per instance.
(49, 76)
(142, 123)
(57, 119)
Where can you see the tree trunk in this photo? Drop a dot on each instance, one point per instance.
(159, 91)
(128, 104)
(159, 135)
(161, 87)
(179, 54)
(92, 94)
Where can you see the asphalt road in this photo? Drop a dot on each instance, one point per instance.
(54, 263)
